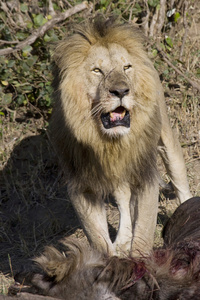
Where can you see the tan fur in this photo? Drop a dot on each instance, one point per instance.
(78, 273)
(99, 161)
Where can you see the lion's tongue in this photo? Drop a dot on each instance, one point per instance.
(117, 114)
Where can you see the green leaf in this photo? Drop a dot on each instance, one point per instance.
(5, 82)
(16, 83)
(39, 20)
(21, 35)
(166, 72)
(25, 67)
(55, 6)
(48, 100)
(32, 60)
(7, 99)
(41, 84)
(20, 99)
(2, 59)
(153, 3)
(49, 89)
(50, 36)
(3, 16)
(26, 50)
(47, 38)
(169, 41)
(29, 25)
(162, 46)
(137, 8)
(11, 63)
(154, 52)
(198, 72)
(31, 97)
(26, 88)
(176, 16)
(24, 7)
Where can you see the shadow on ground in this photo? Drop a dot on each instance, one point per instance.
(34, 206)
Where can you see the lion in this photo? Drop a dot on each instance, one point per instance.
(109, 123)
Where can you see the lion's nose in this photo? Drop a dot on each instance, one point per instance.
(119, 92)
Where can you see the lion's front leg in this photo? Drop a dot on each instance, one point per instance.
(144, 208)
(124, 235)
(92, 215)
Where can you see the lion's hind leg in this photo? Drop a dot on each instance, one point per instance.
(171, 153)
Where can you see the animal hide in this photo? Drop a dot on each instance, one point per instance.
(171, 272)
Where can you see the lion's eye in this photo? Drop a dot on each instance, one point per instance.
(127, 67)
(97, 70)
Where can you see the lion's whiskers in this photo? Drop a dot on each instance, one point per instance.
(96, 109)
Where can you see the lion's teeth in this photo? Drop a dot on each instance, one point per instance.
(114, 116)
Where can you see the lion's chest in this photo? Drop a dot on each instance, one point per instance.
(113, 164)
(104, 167)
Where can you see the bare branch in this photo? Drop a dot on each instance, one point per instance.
(161, 18)
(8, 42)
(153, 23)
(158, 19)
(51, 9)
(145, 20)
(41, 30)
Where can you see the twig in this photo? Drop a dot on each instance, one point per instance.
(158, 20)
(145, 20)
(161, 17)
(8, 42)
(51, 9)
(180, 3)
(67, 2)
(164, 57)
(6, 10)
(153, 23)
(186, 29)
(172, 4)
(41, 30)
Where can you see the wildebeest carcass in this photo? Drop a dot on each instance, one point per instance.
(171, 272)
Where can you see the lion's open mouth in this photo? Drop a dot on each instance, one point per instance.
(118, 117)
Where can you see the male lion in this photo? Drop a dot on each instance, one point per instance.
(109, 120)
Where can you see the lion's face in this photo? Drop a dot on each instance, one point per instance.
(108, 72)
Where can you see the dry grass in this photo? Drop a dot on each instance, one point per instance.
(5, 282)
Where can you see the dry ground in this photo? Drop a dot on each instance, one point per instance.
(34, 206)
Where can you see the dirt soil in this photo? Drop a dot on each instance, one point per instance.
(35, 210)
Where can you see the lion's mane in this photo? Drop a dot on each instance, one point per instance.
(93, 161)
